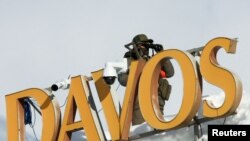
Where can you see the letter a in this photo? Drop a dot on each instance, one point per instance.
(80, 97)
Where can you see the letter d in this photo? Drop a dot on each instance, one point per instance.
(15, 114)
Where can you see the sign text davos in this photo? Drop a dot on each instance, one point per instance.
(119, 125)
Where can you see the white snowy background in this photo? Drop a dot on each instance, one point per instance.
(43, 41)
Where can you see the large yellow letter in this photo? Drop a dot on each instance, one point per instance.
(79, 97)
(130, 94)
(221, 77)
(119, 127)
(148, 94)
(108, 105)
(15, 114)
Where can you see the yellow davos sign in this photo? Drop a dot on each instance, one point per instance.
(143, 76)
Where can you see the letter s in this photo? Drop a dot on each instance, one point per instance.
(220, 77)
(244, 133)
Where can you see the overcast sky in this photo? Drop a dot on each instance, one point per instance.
(43, 41)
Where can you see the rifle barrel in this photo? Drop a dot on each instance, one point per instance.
(195, 49)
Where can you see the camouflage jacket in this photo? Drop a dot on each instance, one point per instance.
(166, 64)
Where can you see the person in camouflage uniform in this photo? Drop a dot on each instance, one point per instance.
(143, 44)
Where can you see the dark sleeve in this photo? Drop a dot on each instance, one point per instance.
(127, 55)
(123, 78)
(131, 55)
(167, 67)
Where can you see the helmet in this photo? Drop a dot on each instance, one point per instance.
(141, 38)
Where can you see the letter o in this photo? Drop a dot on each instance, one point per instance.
(148, 94)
